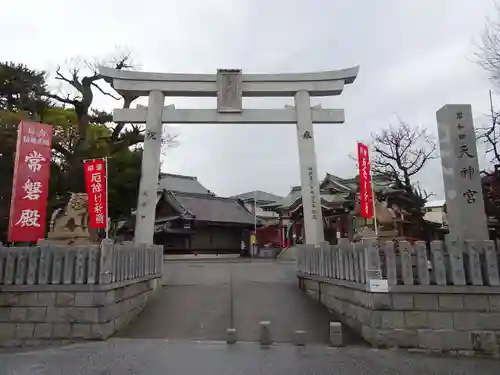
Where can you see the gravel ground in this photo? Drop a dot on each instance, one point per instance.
(150, 356)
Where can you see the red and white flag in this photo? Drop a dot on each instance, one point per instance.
(30, 184)
(365, 190)
(95, 182)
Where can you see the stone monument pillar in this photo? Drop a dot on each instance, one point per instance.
(462, 181)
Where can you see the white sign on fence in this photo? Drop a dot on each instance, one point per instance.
(378, 286)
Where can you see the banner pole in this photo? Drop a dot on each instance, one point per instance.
(255, 213)
(107, 183)
(374, 198)
(375, 222)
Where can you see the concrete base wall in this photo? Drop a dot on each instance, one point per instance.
(447, 320)
(267, 253)
(288, 254)
(36, 314)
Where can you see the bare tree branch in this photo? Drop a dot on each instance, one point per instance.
(73, 81)
(122, 61)
(422, 193)
(169, 139)
(127, 101)
(401, 152)
(60, 98)
(105, 92)
(490, 135)
(83, 84)
(488, 55)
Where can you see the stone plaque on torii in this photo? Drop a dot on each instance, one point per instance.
(229, 86)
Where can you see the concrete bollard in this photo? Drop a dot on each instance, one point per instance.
(335, 334)
(231, 336)
(265, 332)
(300, 338)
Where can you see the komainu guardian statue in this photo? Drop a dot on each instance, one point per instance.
(70, 225)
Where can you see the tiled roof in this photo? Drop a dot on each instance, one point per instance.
(211, 208)
(344, 186)
(436, 203)
(381, 183)
(295, 193)
(260, 196)
(180, 183)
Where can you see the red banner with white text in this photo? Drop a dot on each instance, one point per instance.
(365, 187)
(30, 183)
(95, 182)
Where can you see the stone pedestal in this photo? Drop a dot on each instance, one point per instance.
(71, 225)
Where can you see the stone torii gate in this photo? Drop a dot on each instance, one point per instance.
(229, 86)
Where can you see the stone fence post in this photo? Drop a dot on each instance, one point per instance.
(372, 261)
(106, 262)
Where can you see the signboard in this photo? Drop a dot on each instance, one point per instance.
(378, 286)
(365, 191)
(30, 185)
(95, 183)
(461, 177)
(229, 97)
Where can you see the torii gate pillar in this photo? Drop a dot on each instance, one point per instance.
(311, 198)
(150, 168)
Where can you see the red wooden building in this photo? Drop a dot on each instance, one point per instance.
(397, 212)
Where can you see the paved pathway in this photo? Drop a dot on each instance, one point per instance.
(201, 300)
(161, 357)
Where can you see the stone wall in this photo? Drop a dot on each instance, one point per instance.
(60, 294)
(446, 319)
(445, 297)
(36, 315)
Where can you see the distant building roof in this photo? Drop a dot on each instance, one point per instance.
(295, 193)
(435, 217)
(209, 208)
(343, 184)
(342, 188)
(435, 203)
(180, 183)
(193, 201)
(260, 196)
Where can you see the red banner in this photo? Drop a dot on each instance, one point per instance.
(365, 190)
(95, 182)
(30, 183)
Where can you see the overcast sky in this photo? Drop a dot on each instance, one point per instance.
(414, 57)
